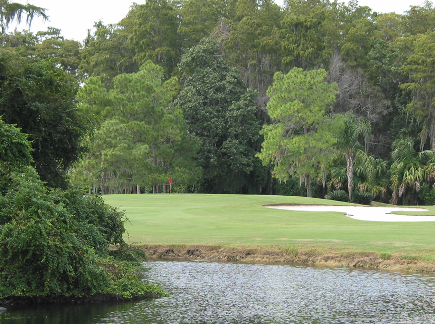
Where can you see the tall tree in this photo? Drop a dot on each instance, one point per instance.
(297, 141)
(22, 43)
(115, 162)
(52, 45)
(142, 136)
(254, 47)
(419, 19)
(106, 53)
(39, 97)
(153, 33)
(199, 18)
(356, 93)
(357, 43)
(389, 27)
(47, 44)
(349, 132)
(420, 68)
(304, 34)
(222, 114)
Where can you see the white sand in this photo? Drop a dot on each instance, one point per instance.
(377, 214)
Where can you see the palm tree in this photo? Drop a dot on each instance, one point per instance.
(409, 169)
(352, 129)
(374, 172)
(10, 11)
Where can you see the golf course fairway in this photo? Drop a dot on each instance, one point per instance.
(242, 223)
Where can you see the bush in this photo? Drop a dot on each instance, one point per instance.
(40, 251)
(56, 243)
(339, 195)
(96, 222)
(427, 194)
(363, 198)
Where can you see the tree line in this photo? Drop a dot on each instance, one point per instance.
(238, 96)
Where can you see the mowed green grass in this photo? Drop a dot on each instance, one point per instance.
(232, 220)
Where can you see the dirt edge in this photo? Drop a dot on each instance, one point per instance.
(300, 255)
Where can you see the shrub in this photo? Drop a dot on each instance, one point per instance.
(40, 253)
(363, 198)
(339, 195)
(56, 243)
(427, 194)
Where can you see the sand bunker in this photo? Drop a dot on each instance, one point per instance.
(375, 214)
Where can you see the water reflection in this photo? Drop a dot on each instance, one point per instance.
(244, 293)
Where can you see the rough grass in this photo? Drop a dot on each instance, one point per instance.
(241, 220)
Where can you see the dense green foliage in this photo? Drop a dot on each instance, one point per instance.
(55, 242)
(381, 63)
(298, 140)
(331, 98)
(221, 113)
(39, 97)
(14, 149)
(363, 198)
(139, 139)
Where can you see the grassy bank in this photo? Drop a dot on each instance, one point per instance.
(232, 221)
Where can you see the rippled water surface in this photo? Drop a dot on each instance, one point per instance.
(245, 293)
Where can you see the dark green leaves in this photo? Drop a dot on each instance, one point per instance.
(222, 114)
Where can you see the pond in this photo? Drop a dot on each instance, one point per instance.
(251, 293)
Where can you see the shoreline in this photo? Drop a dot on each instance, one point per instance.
(303, 255)
(315, 255)
(13, 302)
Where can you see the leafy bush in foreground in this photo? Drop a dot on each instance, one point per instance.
(56, 243)
(47, 250)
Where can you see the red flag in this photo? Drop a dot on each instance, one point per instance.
(170, 180)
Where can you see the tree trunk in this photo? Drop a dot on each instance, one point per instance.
(103, 182)
(138, 189)
(432, 136)
(395, 197)
(349, 160)
(308, 184)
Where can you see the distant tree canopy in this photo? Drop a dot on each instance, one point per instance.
(298, 140)
(222, 114)
(140, 138)
(381, 64)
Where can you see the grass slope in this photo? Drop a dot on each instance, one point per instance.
(233, 220)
